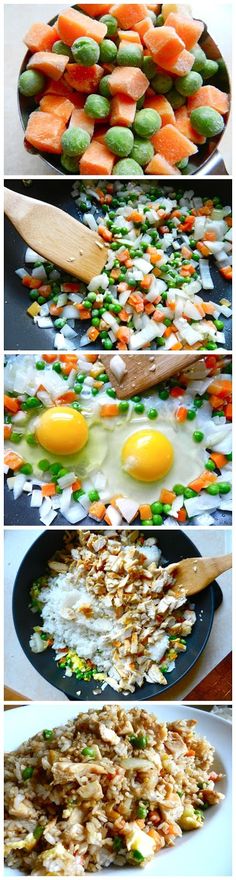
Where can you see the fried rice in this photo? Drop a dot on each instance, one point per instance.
(111, 787)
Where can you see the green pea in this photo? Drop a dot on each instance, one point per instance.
(157, 507)
(164, 394)
(147, 122)
(108, 52)
(93, 495)
(69, 163)
(118, 843)
(31, 440)
(189, 493)
(142, 152)
(139, 408)
(210, 69)
(44, 465)
(139, 742)
(111, 393)
(178, 489)
(219, 324)
(129, 55)
(104, 87)
(147, 522)
(176, 100)
(198, 436)
(37, 832)
(142, 811)
(27, 773)
(127, 168)
(40, 365)
(123, 406)
(157, 520)
(97, 107)
(77, 494)
(75, 141)
(88, 752)
(199, 58)
(111, 23)
(189, 84)
(103, 377)
(149, 67)
(108, 344)
(166, 508)
(191, 415)
(78, 387)
(119, 140)
(31, 82)
(162, 83)
(152, 414)
(207, 121)
(210, 465)
(48, 734)
(16, 437)
(224, 488)
(60, 48)
(160, 21)
(31, 403)
(26, 469)
(85, 51)
(213, 489)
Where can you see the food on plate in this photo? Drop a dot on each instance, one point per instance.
(162, 243)
(75, 449)
(110, 787)
(110, 611)
(100, 61)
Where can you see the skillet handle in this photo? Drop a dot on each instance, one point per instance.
(218, 596)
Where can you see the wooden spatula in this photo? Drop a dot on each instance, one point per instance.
(145, 370)
(195, 574)
(56, 235)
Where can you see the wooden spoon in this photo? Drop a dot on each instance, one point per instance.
(195, 574)
(145, 370)
(56, 235)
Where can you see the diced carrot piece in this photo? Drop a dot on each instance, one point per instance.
(44, 131)
(205, 479)
(83, 79)
(11, 403)
(93, 334)
(31, 282)
(210, 235)
(181, 414)
(49, 358)
(76, 485)
(160, 165)
(79, 119)
(123, 110)
(163, 107)
(73, 24)
(61, 107)
(129, 37)
(128, 14)
(49, 63)
(105, 233)
(123, 335)
(135, 216)
(48, 489)
(188, 29)
(45, 290)
(204, 250)
(228, 411)
(40, 37)
(222, 387)
(167, 497)
(108, 410)
(145, 511)
(179, 65)
(97, 510)
(96, 160)
(226, 271)
(183, 124)
(55, 310)
(13, 460)
(173, 145)
(128, 80)
(219, 459)
(209, 96)
(143, 26)
(59, 88)
(68, 397)
(163, 43)
(7, 432)
(95, 9)
(182, 515)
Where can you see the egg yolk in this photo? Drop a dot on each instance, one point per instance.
(147, 455)
(62, 430)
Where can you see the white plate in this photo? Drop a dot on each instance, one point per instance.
(198, 853)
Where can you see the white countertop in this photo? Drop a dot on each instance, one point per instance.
(22, 677)
(19, 17)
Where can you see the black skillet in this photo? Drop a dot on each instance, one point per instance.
(207, 160)
(174, 545)
(20, 331)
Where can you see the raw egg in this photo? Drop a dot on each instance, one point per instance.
(147, 455)
(62, 430)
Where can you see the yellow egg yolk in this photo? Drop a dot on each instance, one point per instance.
(62, 430)
(147, 455)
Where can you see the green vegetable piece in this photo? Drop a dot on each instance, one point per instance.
(139, 742)
(26, 469)
(69, 164)
(142, 811)
(189, 84)
(111, 24)
(137, 855)
(140, 103)
(198, 436)
(146, 123)
(37, 832)
(60, 48)
(182, 164)
(93, 495)
(44, 465)
(88, 752)
(40, 365)
(31, 82)
(207, 121)
(152, 414)
(149, 67)
(178, 489)
(199, 58)
(162, 83)
(118, 843)
(31, 403)
(27, 773)
(104, 87)
(210, 69)
(31, 440)
(176, 100)
(129, 55)
(108, 51)
(224, 488)
(47, 734)
(119, 140)
(123, 406)
(85, 51)
(75, 141)
(157, 507)
(157, 519)
(97, 107)
(213, 489)
(142, 152)
(127, 168)
(160, 21)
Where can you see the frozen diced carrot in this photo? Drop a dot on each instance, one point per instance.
(95, 9)
(179, 65)
(79, 119)
(83, 79)
(159, 165)
(142, 26)
(44, 131)
(163, 107)
(209, 96)
(123, 110)
(128, 80)
(51, 64)
(163, 43)
(188, 29)
(73, 24)
(128, 14)
(183, 123)
(129, 36)
(13, 460)
(40, 37)
(173, 145)
(61, 107)
(59, 88)
(97, 159)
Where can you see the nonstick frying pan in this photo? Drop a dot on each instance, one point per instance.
(20, 331)
(207, 161)
(174, 546)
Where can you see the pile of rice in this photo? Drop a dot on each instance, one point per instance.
(112, 605)
(74, 795)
